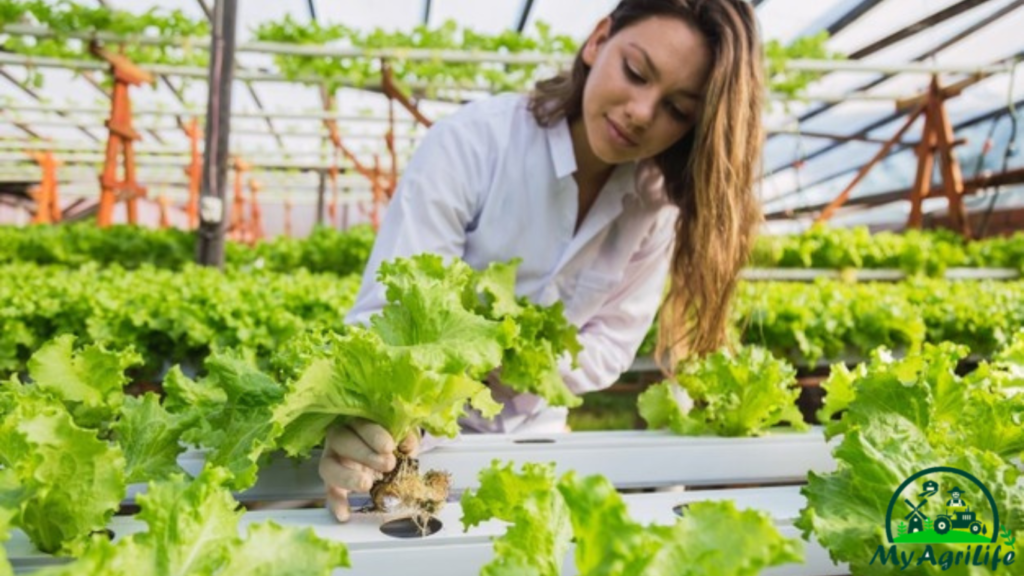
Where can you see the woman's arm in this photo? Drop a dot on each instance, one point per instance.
(436, 199)
(611, 338)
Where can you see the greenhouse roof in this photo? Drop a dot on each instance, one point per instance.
(814, 150)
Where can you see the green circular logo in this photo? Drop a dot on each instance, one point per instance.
(955, 523)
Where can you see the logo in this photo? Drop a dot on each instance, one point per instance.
(952, 509)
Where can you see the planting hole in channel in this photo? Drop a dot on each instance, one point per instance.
(408, 528)
(105, 532)
(681, 510)
(534, 441)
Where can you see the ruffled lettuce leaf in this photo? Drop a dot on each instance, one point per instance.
(9, 497)
(89, 381)
(538, 540)
(846, 509)
(905, 416)
(925, 390)
(234, 406)
(713, 537)
(426, 314)
(193, 529)
(71, 482)
(150, 437)
(741, 395)
(385, 384)
(530, 363)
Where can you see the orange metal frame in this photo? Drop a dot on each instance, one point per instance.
(46, 194)
(937, 138)
(120, 140)
(194, 171)
(236, 228)
(255, 227)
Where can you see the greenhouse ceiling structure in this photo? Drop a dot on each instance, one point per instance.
(817, 142)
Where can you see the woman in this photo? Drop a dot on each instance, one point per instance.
(637, 164)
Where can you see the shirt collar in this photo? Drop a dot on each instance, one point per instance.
(563, 158)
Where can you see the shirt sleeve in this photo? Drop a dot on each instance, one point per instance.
(432, 207)
(612, 337)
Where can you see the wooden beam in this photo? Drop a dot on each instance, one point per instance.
(882, 153)
(971, 186)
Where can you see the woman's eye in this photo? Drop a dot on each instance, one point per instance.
(632, 74)
(678, 114)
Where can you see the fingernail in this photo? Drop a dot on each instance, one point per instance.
(342, 513)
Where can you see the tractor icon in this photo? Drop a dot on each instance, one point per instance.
(959, 517)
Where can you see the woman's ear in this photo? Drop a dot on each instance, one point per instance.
(596, 39)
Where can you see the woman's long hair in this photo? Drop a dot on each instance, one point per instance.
(710, 173)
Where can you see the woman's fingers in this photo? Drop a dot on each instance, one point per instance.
(374, 435)
(410, 446)
(347, 474)
(337, 503)
(348, 442)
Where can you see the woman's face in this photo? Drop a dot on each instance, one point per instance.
(645, 87)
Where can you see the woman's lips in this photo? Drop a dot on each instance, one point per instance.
(619, 135)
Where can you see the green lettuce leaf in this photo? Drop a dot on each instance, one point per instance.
(89, 381)
(711, 538)
(925, 389)
(270, 550)
(839, 390)
(9, 497)
(372, 380)
(71, 481)
(150, 438)
(193, 529)
(234, 403)
(732, 396)
(426, 314)
(538, 540)
(530, 363)
(846, 509)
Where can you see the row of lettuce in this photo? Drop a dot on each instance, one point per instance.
(182, 316)
(71, 440)
(915, 252)
(325, 250)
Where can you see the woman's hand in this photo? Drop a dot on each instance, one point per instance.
(354, 456)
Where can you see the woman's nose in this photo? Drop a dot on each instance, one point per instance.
(640, 112)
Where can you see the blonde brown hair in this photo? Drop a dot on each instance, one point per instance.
(710, 173)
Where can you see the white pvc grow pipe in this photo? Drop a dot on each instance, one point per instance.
(453, 552)
(629, 459)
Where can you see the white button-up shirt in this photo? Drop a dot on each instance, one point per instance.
(489, 184)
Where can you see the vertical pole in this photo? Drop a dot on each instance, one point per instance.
(210, 251)
(320, 193)
(925, 168)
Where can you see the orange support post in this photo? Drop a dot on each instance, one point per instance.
(392, 91)
(236, 229)
(288, 216)
(937, 137)
(165, 206)
(194, 171)
(332, 204)
(120, 140)
(45, 194)
(255, 215)
(378, 194)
